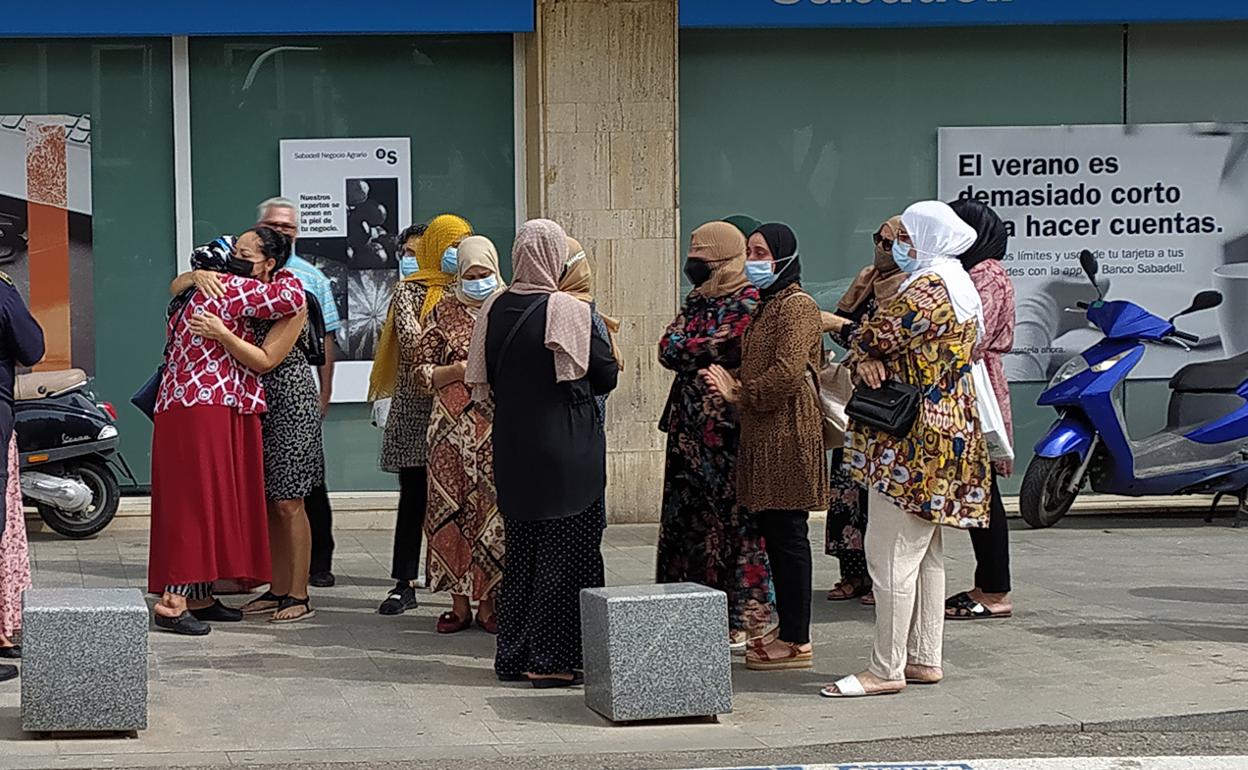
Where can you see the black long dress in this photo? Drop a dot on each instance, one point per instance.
(550, 468)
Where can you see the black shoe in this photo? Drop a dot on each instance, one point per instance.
(185, 624)
(11, 653)
(218, 613)
(7, 673)
(400, 600)
(322, 579)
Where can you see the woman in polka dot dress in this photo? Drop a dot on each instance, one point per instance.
(534, 347)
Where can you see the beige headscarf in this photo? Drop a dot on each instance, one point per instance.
(538, 258)
(476, 251)
(578, 280)
(881, 280)
(721, 246)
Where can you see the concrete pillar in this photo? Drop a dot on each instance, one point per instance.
(600, 143)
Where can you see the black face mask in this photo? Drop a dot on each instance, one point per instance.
(239, 266)
(697, 271)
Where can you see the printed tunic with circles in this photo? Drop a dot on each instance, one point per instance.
(294, 455)
(201, 372)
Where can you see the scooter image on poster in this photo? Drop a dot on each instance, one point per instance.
(1203, 448)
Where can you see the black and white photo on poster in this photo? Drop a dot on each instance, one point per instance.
(354, 196)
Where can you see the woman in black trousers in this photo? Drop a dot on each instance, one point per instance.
(990, 598)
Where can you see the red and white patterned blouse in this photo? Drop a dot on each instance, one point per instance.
(996, 293)
(201, 372)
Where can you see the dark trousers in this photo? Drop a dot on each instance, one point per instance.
(409, 527)
(787, 536)
(539, 607)
(321, 519)
(992, 548)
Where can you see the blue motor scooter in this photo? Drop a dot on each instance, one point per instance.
(1203, 449)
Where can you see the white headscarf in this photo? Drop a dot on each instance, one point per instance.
(938, 236)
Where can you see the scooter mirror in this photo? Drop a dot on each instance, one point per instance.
(1205, 300)
(1088, 262)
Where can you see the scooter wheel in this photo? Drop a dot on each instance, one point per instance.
(1045, 496)
(105, 497)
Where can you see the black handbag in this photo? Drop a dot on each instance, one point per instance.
(313, 344)
(144, 399)
(891, 408)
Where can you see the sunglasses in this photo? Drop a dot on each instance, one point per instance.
(881, 241)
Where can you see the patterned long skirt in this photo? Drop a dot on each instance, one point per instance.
(539, 608)
(706, 538)
(847, 521)
(463, 527)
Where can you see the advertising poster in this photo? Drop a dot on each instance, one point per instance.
(354, 197)
(1164, 207)
(45, 230)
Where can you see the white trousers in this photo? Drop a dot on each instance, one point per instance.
(906, 560)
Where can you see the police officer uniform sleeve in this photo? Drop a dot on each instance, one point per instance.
(24, 334)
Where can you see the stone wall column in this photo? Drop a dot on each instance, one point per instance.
(600, 144)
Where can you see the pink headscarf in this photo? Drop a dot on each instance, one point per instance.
(539, 256)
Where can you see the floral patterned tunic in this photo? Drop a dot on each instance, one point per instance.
(940, 471)
(997, 294)
(463, 526)
(404, 443)
(705, 536)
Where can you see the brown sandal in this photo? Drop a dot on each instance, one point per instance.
(856, 589)
(757, 658)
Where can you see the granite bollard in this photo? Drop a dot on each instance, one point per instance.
(84, 660)
(656, 652)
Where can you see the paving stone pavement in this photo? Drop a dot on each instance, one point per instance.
(1119, 619)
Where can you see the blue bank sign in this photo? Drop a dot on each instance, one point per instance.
(916, 13)
(112, 18)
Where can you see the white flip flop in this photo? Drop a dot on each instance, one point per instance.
(851, 687)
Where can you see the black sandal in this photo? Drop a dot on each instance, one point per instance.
(290, 601)
(969, 609)
(553, 682)
(266, 598)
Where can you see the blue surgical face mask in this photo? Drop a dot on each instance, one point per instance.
(763, 274)
(407, 266)
(480, 288)
(450, 260)
(902, 256)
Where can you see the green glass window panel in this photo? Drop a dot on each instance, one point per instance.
(125, 86)
(451, 95)
(1184, 73)
(833, 131)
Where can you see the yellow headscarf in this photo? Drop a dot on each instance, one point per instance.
(444, 230)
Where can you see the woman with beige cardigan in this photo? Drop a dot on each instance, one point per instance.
(782, 471)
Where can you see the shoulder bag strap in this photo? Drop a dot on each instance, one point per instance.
(511, 335)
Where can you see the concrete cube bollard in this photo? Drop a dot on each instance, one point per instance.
(84, 660)
(656, 652)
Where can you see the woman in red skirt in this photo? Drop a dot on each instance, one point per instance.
(208, 503)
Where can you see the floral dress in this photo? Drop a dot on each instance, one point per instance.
(940, 471)
(705, 537)
(14, 560)
(463, 526)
